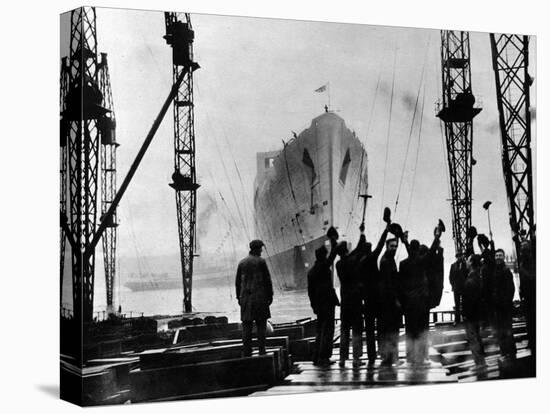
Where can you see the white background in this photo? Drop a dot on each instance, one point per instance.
(29, 68)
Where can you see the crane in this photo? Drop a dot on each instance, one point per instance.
(64, 87)
(180, 36)
(457, 111)
(108, 180)
(510, 54)
(81, 117)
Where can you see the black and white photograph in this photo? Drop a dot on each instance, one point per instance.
(261, 207)
(274, 206)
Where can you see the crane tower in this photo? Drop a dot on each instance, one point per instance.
(510, 55)
(457, 111)
(180, 36)
(81, 122)
(108, 180)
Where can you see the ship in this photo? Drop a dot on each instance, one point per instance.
(303, 189)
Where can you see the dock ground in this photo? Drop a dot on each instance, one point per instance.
(205, 361)
(450, 362)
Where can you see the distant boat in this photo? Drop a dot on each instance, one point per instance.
(162, 281)
(300, 191)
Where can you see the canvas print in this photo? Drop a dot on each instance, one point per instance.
(254, 206)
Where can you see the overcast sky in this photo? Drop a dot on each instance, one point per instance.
(256, 85)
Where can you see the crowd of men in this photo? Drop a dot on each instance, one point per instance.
(377, 293)
(483, 288)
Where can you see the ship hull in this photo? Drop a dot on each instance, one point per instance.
(300, 191)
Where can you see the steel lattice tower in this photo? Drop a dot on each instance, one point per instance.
(457, 113)
(180, 35)
(510, 63)
(63, 130)
(83, 115)
(108, 180)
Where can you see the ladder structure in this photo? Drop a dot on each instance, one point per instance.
(82, 120)
(180, 36)
(63, 131)
(108, 181)
(510, 55)
(457, 111)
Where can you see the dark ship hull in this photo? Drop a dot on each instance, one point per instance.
(300, 191)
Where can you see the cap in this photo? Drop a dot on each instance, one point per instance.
(256, 244)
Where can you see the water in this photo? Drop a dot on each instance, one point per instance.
(287, 305)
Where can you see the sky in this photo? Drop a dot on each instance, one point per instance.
(256, 85)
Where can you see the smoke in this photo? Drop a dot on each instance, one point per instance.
(533, 111)
(409, 101)
(492, 127)
(206, 207)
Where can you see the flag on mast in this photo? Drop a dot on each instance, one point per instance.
(322, 88)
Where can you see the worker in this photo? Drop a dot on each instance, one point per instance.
(472, 296)
(389, 320)
(323, 299)
(527, 290)
(255, 295)
(369, 283)
(502, 299)
(487, 272)
(414, 290)
(351, 317)
(457, 277)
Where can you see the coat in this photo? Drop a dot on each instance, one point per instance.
(413, 283)
(472, 295)
(503, 288)
(320, 288)
(435, 277)
(457, 276)
(350, 289)
(254, 288)
(388, 295)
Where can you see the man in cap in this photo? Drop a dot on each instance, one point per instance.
(254, 294)
(323, 299)
(414, 290)
(389, 320)
(457, 277)
(351, 316)
(369, 285)
(472, 311)
(528, 289)
(503, 302)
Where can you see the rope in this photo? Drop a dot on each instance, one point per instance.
(412, 127)
(388, 133)
(416, 157)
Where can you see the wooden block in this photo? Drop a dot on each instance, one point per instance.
(202, 377)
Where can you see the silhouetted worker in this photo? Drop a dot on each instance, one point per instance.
(255, 294)
(350, 304)
(503, 297)
(369, 284)
(457, 277)
(436, 274)
(487, 273)
(323, 299)
(415, 296)
(389, 320)
(527, 290)
(472, 310)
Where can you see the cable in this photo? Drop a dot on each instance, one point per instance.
(388, 133)
(412, 126)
